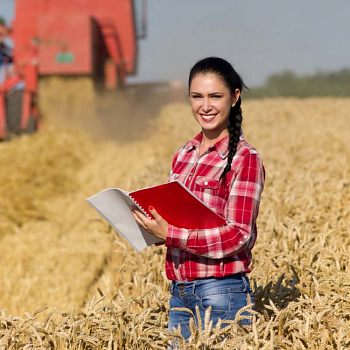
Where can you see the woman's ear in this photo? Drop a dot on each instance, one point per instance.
(235, 97)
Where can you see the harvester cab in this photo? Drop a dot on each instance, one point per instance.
(63, 38)
(5, 54)
(18, 112)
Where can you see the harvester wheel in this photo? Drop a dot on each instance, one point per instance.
(31, 126)
(14, 112)
(14, 115)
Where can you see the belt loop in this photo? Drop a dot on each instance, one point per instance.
(194, 287)
(171, 287)
(244, 278)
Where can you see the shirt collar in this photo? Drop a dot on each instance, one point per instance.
(221, 146)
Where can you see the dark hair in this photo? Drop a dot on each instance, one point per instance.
(233, 81)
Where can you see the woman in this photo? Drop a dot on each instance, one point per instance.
(208, 267)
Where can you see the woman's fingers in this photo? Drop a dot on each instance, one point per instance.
(138, 218)
(154, 213)
(157, 227)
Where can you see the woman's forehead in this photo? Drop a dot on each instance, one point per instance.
(206, 82)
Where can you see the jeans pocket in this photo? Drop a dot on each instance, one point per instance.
(220, 303)
(239, 301)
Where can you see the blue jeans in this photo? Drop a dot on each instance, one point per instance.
(225, 295)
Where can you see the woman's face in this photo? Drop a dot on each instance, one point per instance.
(211, 102)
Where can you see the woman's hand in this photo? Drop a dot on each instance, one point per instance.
(157, 227)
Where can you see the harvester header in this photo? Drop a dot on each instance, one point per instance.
(75, 36)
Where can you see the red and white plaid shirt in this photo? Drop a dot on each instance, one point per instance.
(225, 250)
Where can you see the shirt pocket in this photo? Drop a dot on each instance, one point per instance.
(207, 183)
(208, 189)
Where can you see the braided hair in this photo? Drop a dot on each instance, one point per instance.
(233, 81)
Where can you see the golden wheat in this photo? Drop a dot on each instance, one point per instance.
(301, 259)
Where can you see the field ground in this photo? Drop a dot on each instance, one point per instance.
(55, 250)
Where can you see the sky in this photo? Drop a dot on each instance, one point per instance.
(258, 37)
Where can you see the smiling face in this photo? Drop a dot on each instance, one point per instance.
(211, 102)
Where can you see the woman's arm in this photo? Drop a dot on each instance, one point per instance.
(240, 212)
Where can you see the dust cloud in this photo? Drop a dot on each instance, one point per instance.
(124, 114)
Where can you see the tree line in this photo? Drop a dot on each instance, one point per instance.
(288, 84)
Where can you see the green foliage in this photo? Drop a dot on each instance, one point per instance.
(288, 84)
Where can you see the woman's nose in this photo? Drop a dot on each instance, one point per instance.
(206, 105)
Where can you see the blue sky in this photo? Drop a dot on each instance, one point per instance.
(258, 38)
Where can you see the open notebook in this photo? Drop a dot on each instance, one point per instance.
(172, 200)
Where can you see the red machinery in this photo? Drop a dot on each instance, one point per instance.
(65, 37)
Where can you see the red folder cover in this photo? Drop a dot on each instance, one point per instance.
(177, 205)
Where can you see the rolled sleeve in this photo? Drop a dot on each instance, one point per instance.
(177, 237)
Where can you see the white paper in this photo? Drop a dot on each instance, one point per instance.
(115, 206)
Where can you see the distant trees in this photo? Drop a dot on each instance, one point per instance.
(287, 83)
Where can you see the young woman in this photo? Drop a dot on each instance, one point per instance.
(208, 267)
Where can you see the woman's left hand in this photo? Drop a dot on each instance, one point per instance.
(157, 227)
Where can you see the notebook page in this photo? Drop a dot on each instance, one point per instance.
(114, 205)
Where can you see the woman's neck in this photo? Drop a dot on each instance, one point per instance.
(209, 139)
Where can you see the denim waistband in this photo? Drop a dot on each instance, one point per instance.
(238, 282)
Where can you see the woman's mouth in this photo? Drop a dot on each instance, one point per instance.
(208, 117)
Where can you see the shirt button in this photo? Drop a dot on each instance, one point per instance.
(206, 183)
(182, 293)
(181, 286)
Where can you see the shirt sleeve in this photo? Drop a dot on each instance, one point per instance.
(241, 211)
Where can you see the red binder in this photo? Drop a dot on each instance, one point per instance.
(177, 205)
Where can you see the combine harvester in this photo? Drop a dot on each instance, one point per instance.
(69, 39)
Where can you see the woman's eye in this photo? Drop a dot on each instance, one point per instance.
(216, 96)
(195, 96)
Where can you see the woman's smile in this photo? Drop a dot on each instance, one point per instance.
(208, 117)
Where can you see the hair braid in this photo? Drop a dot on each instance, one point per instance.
(234, 129)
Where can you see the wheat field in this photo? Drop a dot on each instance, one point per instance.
(69, 281)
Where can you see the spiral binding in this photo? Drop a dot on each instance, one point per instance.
(140, 207)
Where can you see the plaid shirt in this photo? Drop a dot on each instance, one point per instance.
(225, 250)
